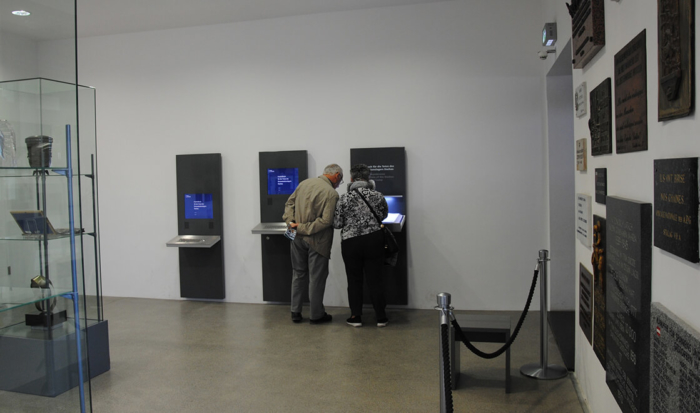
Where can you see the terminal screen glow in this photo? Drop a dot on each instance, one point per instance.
(282, 181)
(199, 206)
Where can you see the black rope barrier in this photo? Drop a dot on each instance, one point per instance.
(460, 336)
(446, 367)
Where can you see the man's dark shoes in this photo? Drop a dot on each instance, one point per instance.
(325, 319)
(382, 322)
(355, 321)
(296, 317)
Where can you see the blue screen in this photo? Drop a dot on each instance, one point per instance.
(282, 181)
(199, 206)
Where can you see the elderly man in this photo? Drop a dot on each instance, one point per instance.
(309, 211)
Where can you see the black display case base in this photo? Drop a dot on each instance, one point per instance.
(45, 319)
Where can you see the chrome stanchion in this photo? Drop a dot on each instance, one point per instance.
(543, 371)
(443, 301)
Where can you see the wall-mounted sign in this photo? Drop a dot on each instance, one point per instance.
(675, 347)
(601, 185)
(628, 301)
(631, 96)
(600, 123)
(676, 207)
(580, 100)
(676, 28)
(587, 30)
(581, 154)
(585, 302)
(583, 219)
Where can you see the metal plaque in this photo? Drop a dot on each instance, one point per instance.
(600, 123)
(631, 96)
(588, 30)
(676, 28)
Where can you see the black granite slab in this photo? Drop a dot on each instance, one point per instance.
(676, 207)
(628, 301)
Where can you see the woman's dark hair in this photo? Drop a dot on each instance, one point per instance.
(359, 172)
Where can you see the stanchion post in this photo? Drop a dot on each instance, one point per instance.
(443, 301)
(543, 370)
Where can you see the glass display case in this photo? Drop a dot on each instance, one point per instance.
(53, 336)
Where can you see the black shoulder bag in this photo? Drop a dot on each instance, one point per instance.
(391, 247)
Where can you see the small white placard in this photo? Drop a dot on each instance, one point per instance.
(584, 228)
(581, 100)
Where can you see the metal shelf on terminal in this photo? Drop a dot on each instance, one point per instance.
(270, 228)
(194, 241)
(394, 222)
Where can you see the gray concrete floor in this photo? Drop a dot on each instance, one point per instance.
(191, 356)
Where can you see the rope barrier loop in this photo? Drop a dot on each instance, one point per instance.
(461, 337)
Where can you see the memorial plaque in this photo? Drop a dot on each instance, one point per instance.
(583, 219)
(676, 28)
(581, 154)
(601, 185)
(628, 301)
(675, 363)
(587, 30)
(585, 301)
(600, 123)
(676, 207)
(598, 263)
(631, 96)
(580, 100)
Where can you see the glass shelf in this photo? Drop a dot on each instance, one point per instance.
(15, 297)
(36, 238)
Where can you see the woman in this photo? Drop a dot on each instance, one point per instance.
(362, 243)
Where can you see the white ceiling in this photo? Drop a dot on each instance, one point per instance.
(52, 19)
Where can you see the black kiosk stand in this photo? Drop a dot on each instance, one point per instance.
(388, 170)
(200, 225)
(280, 174)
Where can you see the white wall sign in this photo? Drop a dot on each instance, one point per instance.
(581, 100)
(584, 228)
(581, 153)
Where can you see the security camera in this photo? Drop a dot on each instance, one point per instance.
(544, 53)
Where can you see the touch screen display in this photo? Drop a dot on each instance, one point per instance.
(282, 181)
(199, 206)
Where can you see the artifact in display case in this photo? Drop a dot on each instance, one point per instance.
(51, 318)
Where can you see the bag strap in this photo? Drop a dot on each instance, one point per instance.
(370, 207)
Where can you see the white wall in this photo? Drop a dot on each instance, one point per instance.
(18, 57)
(455, 83)
(675, 282)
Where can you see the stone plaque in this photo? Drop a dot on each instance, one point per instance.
(676, 28)
(676, 207)
(628, 301)
(600, 123)
(580, 100)
(583, 219)
(581, 154)
(675, 363)
(631, 96)
(585, 301)
(598, 263)
(601, 185)
(587, 30)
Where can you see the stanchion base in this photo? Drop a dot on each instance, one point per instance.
(551, 372)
